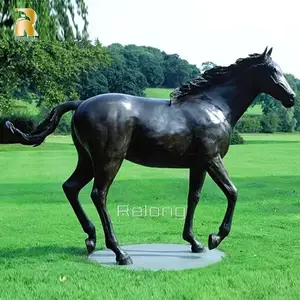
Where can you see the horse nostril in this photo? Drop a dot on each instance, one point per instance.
(293, 97)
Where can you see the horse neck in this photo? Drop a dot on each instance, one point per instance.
(233, 98)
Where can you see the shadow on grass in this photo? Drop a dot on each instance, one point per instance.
(74, 253)
(41, 251)
(43, 147)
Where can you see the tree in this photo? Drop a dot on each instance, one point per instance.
(269, 122)
(287, 121)
(151, 68)
(297, 110)
(93, 82)
(206, 66)
(124, 74)
(177, 71)
(52, 71)
(291, 79)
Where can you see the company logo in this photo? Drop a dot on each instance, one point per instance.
(179, 212)
(25, 24)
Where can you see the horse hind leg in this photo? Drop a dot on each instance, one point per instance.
(82, 175)
(105, 170)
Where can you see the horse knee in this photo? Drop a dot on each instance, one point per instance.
(70, 189)
(98, 196)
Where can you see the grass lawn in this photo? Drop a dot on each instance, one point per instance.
(254, 110)
(41, 239)
(158, 93)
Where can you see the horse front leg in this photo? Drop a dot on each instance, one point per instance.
(218, 173)
(197, 177)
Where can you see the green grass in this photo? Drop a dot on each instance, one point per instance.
(41, 239)
(254, 110)
(158, 93)
(165, 93)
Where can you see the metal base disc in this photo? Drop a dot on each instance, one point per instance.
(160, 257)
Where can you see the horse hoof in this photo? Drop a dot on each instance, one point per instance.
(198, 248)
(126, 260)
(213, 241)
(90, 245)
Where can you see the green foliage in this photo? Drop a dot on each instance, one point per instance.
(20, 107)
(151, 67)
(297, 110)
(93, 83)
(123, 74)
(47, 73)
(291, 79)
(236, 138)
(249, 124)
(133, 68)
(269, 122)
(206, 66)
(52, 71)
(276, 117)
(286, 120)
(64, 126)
(5, 105)
(177, 71)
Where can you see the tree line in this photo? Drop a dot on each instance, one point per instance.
(51, 72)
(63, 64)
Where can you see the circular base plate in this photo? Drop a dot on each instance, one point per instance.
(160, 257)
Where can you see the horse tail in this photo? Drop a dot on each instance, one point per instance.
(46, 127)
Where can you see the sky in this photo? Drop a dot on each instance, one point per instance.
(220, 31)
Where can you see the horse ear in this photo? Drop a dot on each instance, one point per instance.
(270, 52)
(264, 54)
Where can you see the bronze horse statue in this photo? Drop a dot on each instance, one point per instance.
(193, 131)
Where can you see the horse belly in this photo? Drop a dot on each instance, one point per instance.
(159, 153)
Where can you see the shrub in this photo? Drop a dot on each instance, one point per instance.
(236, 138)
(269, 122)
(249, 124)
(64, 126)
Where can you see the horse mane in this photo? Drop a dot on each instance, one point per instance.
(213, 76)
